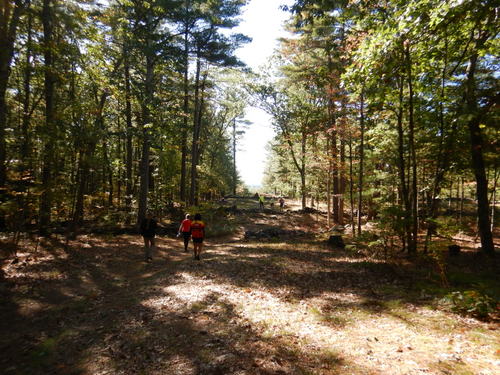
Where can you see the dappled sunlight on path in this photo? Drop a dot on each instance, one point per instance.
(245, 308)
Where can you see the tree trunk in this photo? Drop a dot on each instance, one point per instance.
(492, 200)
(195, 143)
(235, 175)
(412, 245)
(10, 14)
(477, 145)
(196, 150)
(329, 184)
(462, 197)
(129, 130)
(146, 124)
(402, 168)
(26, 142)
(109, 170)
(303, 188)
(342, 181)
(361, 159)
(351, 186)
(185, 120)
(335, 177)
(49, 147)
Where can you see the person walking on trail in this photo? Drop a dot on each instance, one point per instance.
(282, 203)
(185, 231)
(148, 232)
(261, 202)
(198, 234)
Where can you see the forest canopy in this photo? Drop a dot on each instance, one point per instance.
(110, 108)
(385, 109)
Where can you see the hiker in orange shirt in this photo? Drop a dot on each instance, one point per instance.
(185, 231)
(198, 234)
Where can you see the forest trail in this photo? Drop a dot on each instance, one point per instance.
(248, 307)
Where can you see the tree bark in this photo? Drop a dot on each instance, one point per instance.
(492, 200)
(196, 134)
(477, 145)
(26, 142)
(361, 159)
(10, 13)
(351, 186)
(412, 245)
(235, 175)
(329, 184)
(303, 188)
(402, 168)
(335, 176)
(185, 120)
(146, 124)
(342, 171)
(129, 132)
(49, 85)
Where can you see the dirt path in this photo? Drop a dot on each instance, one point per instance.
(293, 307)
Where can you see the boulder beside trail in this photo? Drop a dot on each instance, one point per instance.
(336, 241)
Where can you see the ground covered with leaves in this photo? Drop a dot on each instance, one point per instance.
(280, 306)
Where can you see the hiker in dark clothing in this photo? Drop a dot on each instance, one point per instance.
(282, 203)
(148, 232)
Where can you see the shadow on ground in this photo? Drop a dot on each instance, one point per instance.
(96, 308)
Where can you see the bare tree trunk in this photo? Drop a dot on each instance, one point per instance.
(195, 149)
(185, 120)
(10, 14)
(235, 182)
(109, 173)
(146, 124)
(412, 246)
(402, 168)
(329, 184)
(361, 159)
(493, 198)
(26, 143)
(303, 187)
(49, 147)
(128, 142)
(335, 177)
(477, 145)
(462, 199)
(195, 144)
(351, 187)
(342, 181)
(119, 177)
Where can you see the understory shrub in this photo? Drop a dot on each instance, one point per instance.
(473, 302)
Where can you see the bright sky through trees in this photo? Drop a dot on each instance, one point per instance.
(263, 22)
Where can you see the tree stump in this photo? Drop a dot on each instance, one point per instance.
(336, 241)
